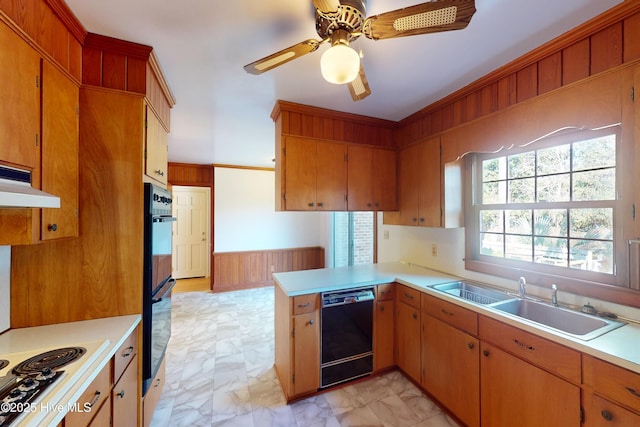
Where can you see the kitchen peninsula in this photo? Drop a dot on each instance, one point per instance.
(507, 351)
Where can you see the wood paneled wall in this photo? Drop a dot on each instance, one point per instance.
(52, 29)
(190, 174)
(250, 269)
(314, 122)
(605, 42)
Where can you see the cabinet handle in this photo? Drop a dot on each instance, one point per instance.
(421, 219)
(321, 204)
(159, 172)
(311, 204)
(157, 383)
(415, 315)
(408, 295)
(414, 219)
(304, 305)
(127, 351)
(524, 346)
(53, 227)
(448, 313)
(121, 394)
(96, 398)
(311, 322)
(368, 205)
(607, 415)
(470, 345)
(633, 391)
(486, 353)
(382, 308)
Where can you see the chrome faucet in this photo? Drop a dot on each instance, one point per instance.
(522, 284)
(554, 295)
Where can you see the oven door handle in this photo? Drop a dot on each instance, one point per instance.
(172, 282)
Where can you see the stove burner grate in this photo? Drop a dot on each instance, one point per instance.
(3, 363)
(52, 359)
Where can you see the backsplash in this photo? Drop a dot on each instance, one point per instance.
(5, 287)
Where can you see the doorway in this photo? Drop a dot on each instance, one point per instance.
(191, 208)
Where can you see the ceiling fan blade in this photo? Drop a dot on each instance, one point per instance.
(326, 6)
(282, 57)
(430, 17)
(359, 88)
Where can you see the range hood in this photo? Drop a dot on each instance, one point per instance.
(16, 191)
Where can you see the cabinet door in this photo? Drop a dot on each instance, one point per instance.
(156, 149)
(359, 178)
(383, 335)
(306, 352)
(331, 177)
(300, 174)
(20, 106)
(60, 129)
(125, 397)
(384, 180)
(513, 392)
(451, 368)
(408, 181)
(599, 412)
(429, 183)
(408, 340)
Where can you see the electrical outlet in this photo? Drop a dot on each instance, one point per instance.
(434, 249)
(386, 234)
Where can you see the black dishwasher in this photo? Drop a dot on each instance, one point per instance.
(347, 335)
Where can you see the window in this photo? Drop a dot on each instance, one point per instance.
(353, 238)
(550, 207)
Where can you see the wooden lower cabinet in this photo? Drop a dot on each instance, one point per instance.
(514, 392)
(408, 339)
(297, 343)
(383, 334)
(600, 412)
(150, 401)
(93, 402)
(450, 369)
(124, 397)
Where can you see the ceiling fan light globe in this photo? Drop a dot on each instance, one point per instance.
(340, 64)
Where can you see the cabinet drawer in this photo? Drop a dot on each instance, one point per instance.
(546, 354)
(103, 417)
(385, 292)
(458, 317)
(305, 304)
(124, 355)
(613, 382)
(93, 397)
(409, 296)
(601, 412)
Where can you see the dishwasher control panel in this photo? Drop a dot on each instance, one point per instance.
(349, 296)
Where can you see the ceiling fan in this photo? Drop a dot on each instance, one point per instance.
(340, 22)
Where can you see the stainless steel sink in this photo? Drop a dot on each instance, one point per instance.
(579, 325)
(472, 292)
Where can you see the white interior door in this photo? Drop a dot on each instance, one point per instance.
(191, 231)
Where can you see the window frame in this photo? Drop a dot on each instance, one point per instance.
(599, 285)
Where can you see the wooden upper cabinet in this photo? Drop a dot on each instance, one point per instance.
(20, 106)
(156, 149)
(371, 178)
(315, 175)
(419, 181)
(60, 134)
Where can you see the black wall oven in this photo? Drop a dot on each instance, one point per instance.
(157, 280)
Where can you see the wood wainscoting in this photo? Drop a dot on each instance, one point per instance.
(252, 269)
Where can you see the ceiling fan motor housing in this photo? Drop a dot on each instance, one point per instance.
(349, 17)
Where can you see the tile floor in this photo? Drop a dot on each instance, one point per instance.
(220, 373)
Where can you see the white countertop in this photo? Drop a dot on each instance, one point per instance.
(619, 346)
(111, 332)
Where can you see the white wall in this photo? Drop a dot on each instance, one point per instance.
(245, 216)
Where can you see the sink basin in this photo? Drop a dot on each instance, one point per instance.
(579, 325)
(472, 292)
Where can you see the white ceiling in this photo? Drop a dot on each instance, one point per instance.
(222, 114)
